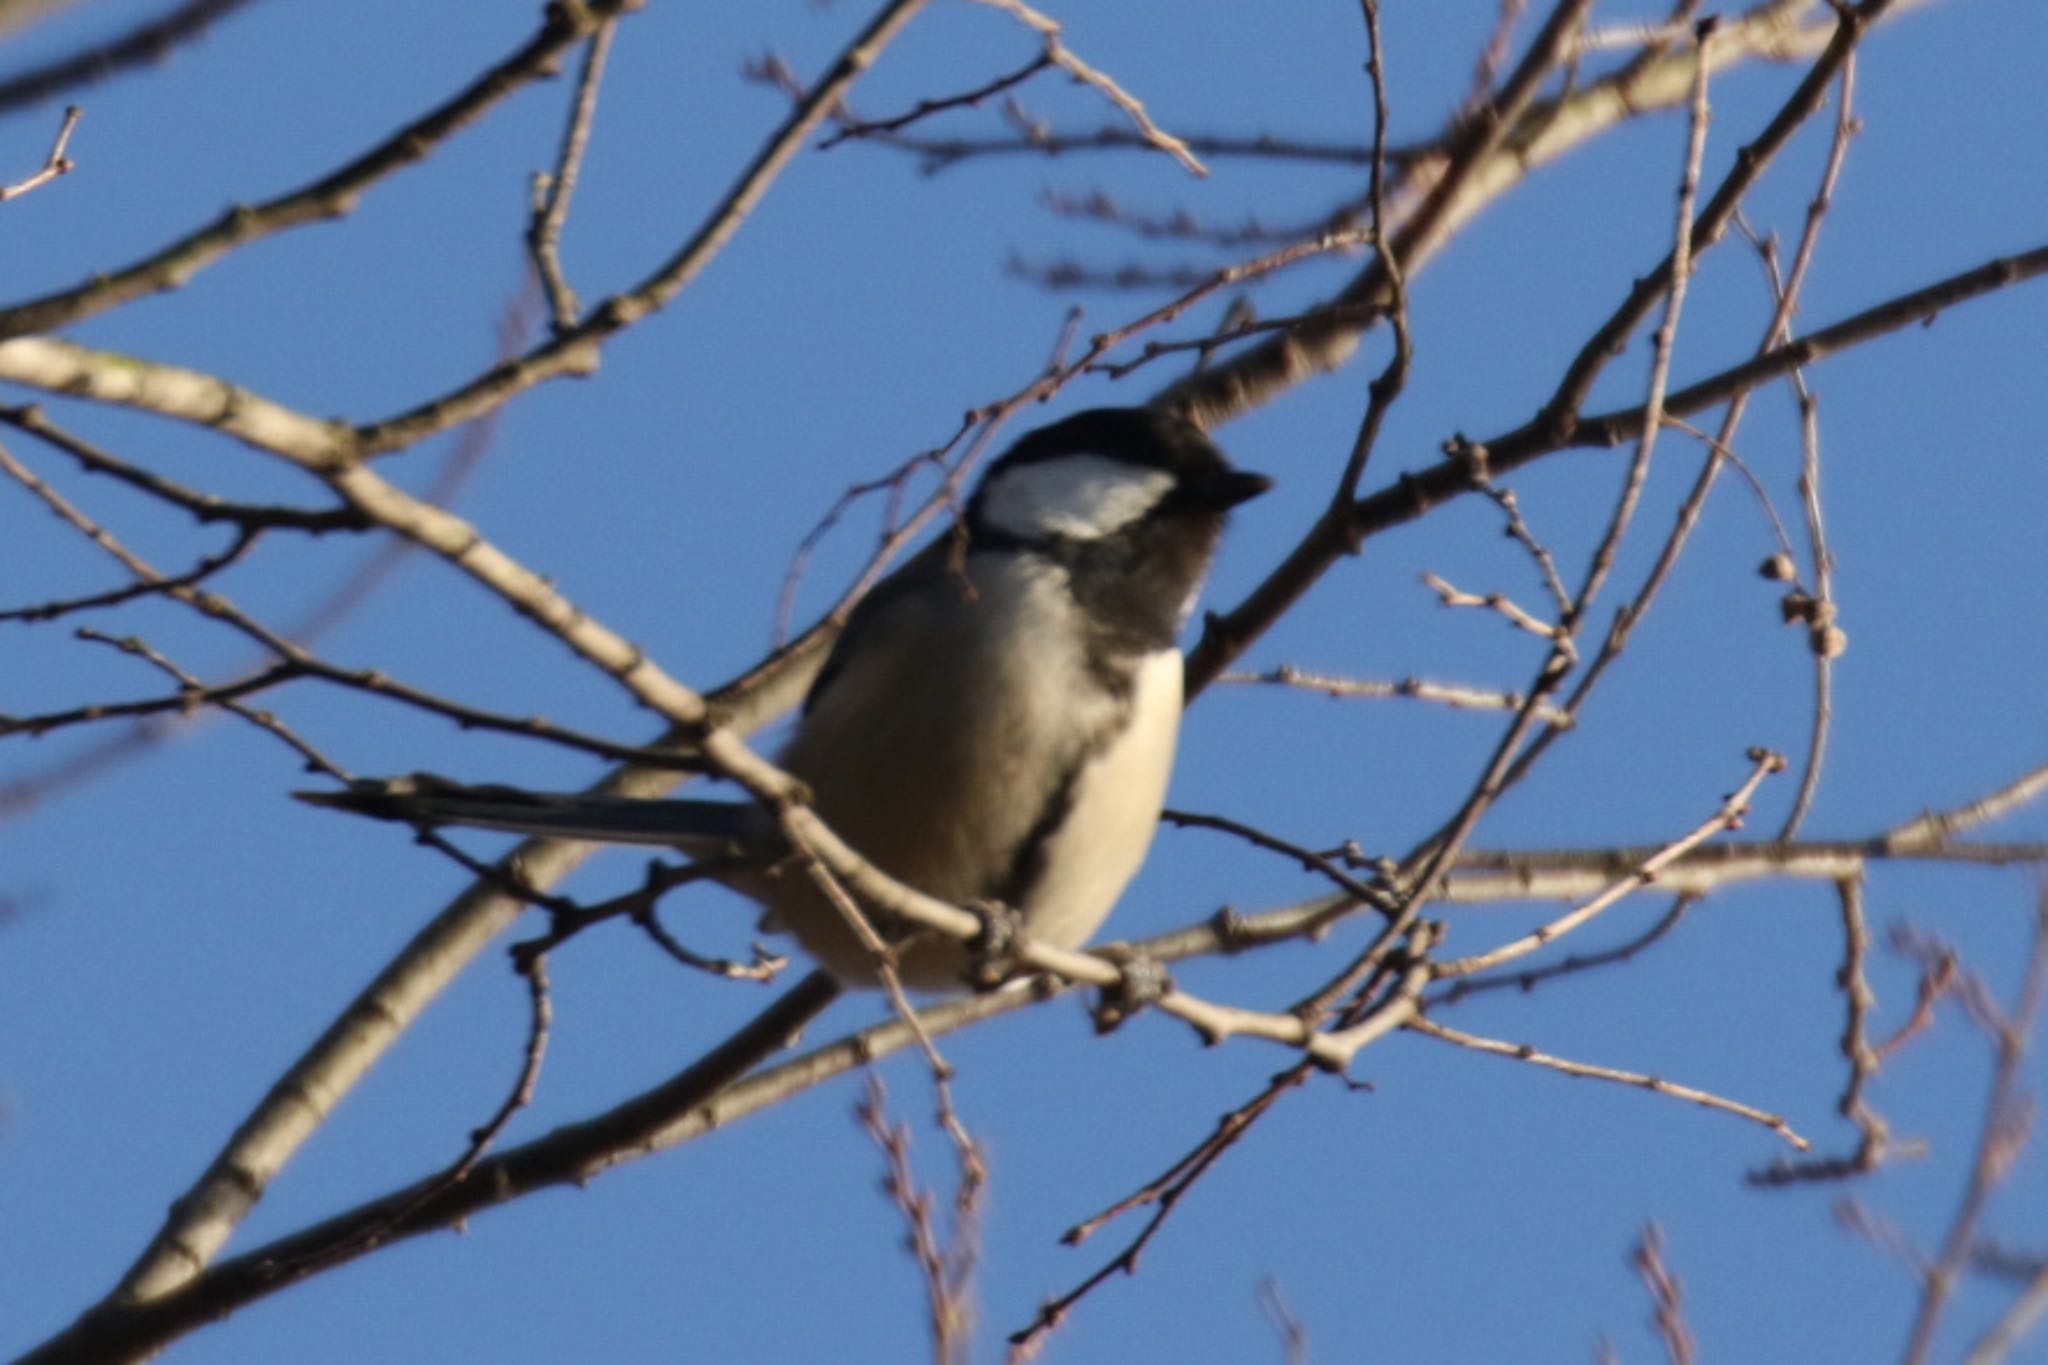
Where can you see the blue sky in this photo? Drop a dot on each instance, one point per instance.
(184, 929)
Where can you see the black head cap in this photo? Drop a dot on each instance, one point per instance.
(1146, 437)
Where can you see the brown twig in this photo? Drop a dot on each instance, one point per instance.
(1524, 1053)
(576, 351)
(206, 568)
(1452, 596)
(1307, 858)
(945, 1264)
(540, 1020)
(1676, 276)
(1059, 54)
(302, 661)
(54, 165)
(193, 694)
(1517, 527)
(552, 191)
(328, 197)
(893, 483)
(1874, 1134)
(1825, 638)
(1162, 1194)
(1181, 225)
(939, 154)
(2002, 1134)
(1455, 695)
(567, 919)
(206, 508)
(146, 44)
(1134, 277)
(924, 109)
(1418, 492)
(1530, 978)
(1729, 816)
(1667, 1305)
(765, 967)
(1392, 1004)
(1387, 385)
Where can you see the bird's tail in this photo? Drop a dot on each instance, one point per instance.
(700, 828)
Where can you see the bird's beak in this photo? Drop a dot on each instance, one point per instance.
(1229, 487)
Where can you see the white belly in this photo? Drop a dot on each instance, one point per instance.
(941, 743)
(1113, 814)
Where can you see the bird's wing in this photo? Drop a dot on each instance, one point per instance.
(876, 608)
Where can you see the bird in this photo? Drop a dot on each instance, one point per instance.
(996, 723)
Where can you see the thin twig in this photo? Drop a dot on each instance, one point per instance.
(1308, 858)
(206, 508)
(1058, 53)
(552, 192)
(1456, 695)
(146, 44)
(2002, 1134)
(2019, 1318)
(1874, 1134)
(925, 108)
(1163, 1193)
(1530, 978)
(1517, 527)
(1524, 1053)
(1667, 1305)
(303, 661)
(765, 967)
(193, 694)
(54, 165)
(576, 352)
(1224, 389)
(945, 1265)
(329, 196)
(206, 568)
(1521, 619)
(1729, 816)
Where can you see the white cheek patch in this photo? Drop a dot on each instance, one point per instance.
(1082, 497)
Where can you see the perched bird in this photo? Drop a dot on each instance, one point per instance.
(997, 721)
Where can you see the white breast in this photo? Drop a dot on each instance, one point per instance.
(1113, 814)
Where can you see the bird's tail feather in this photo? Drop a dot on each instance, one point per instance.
(702, 828)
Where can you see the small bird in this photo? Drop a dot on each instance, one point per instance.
(995, 724)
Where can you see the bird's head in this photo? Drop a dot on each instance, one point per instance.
(1130, 500)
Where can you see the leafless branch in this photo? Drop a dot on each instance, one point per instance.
(330, 196)
(576, 351)
(1668, 1307)
(1729, 816)
(553, 191)
(2003, 1133)
(1446, 694)
(924, 109)
(1874, 1133)
(1058, 53)
(1523, 1052)
(147, 43)
(54, 165)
